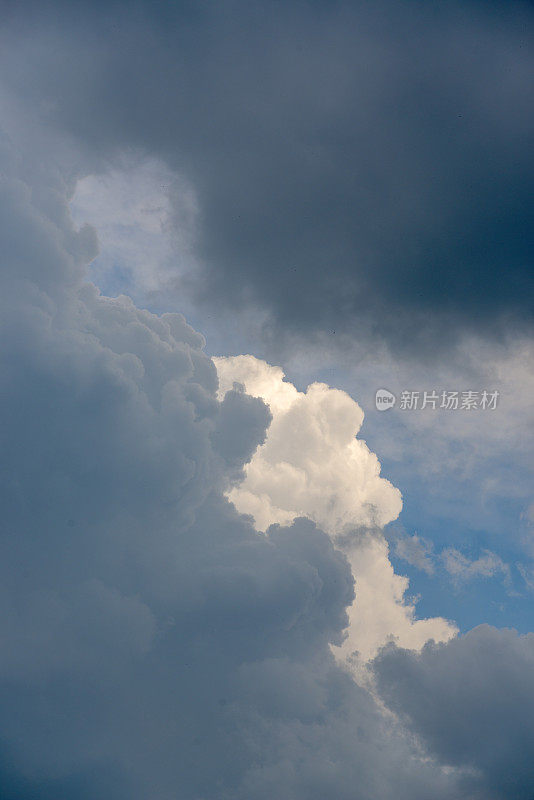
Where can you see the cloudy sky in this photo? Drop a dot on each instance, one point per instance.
(226, 573)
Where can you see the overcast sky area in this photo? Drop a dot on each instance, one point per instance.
(228, 231)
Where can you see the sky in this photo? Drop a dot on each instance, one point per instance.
(226, 230)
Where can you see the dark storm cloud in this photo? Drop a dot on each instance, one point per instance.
(472, 702)
(235, 443)
(363, 168)
(153, 644)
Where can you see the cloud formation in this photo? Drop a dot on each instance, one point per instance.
(417, 551)
(154, 644)
(313, 465)
(464, 569)
(130, 207)
(348, 178)
(472, 702)
(360, 168)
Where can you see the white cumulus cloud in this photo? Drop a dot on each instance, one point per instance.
(313, 465)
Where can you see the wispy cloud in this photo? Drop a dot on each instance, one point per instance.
(463, 569)
(417, 551)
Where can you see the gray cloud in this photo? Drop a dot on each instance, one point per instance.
(154, 645)
(471, 701)
(359, 169)
(363, 170)
(234, 442)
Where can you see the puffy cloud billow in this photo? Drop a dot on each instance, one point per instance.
(196, 595)
(153, 643)
(472, 702)
(313, 465)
